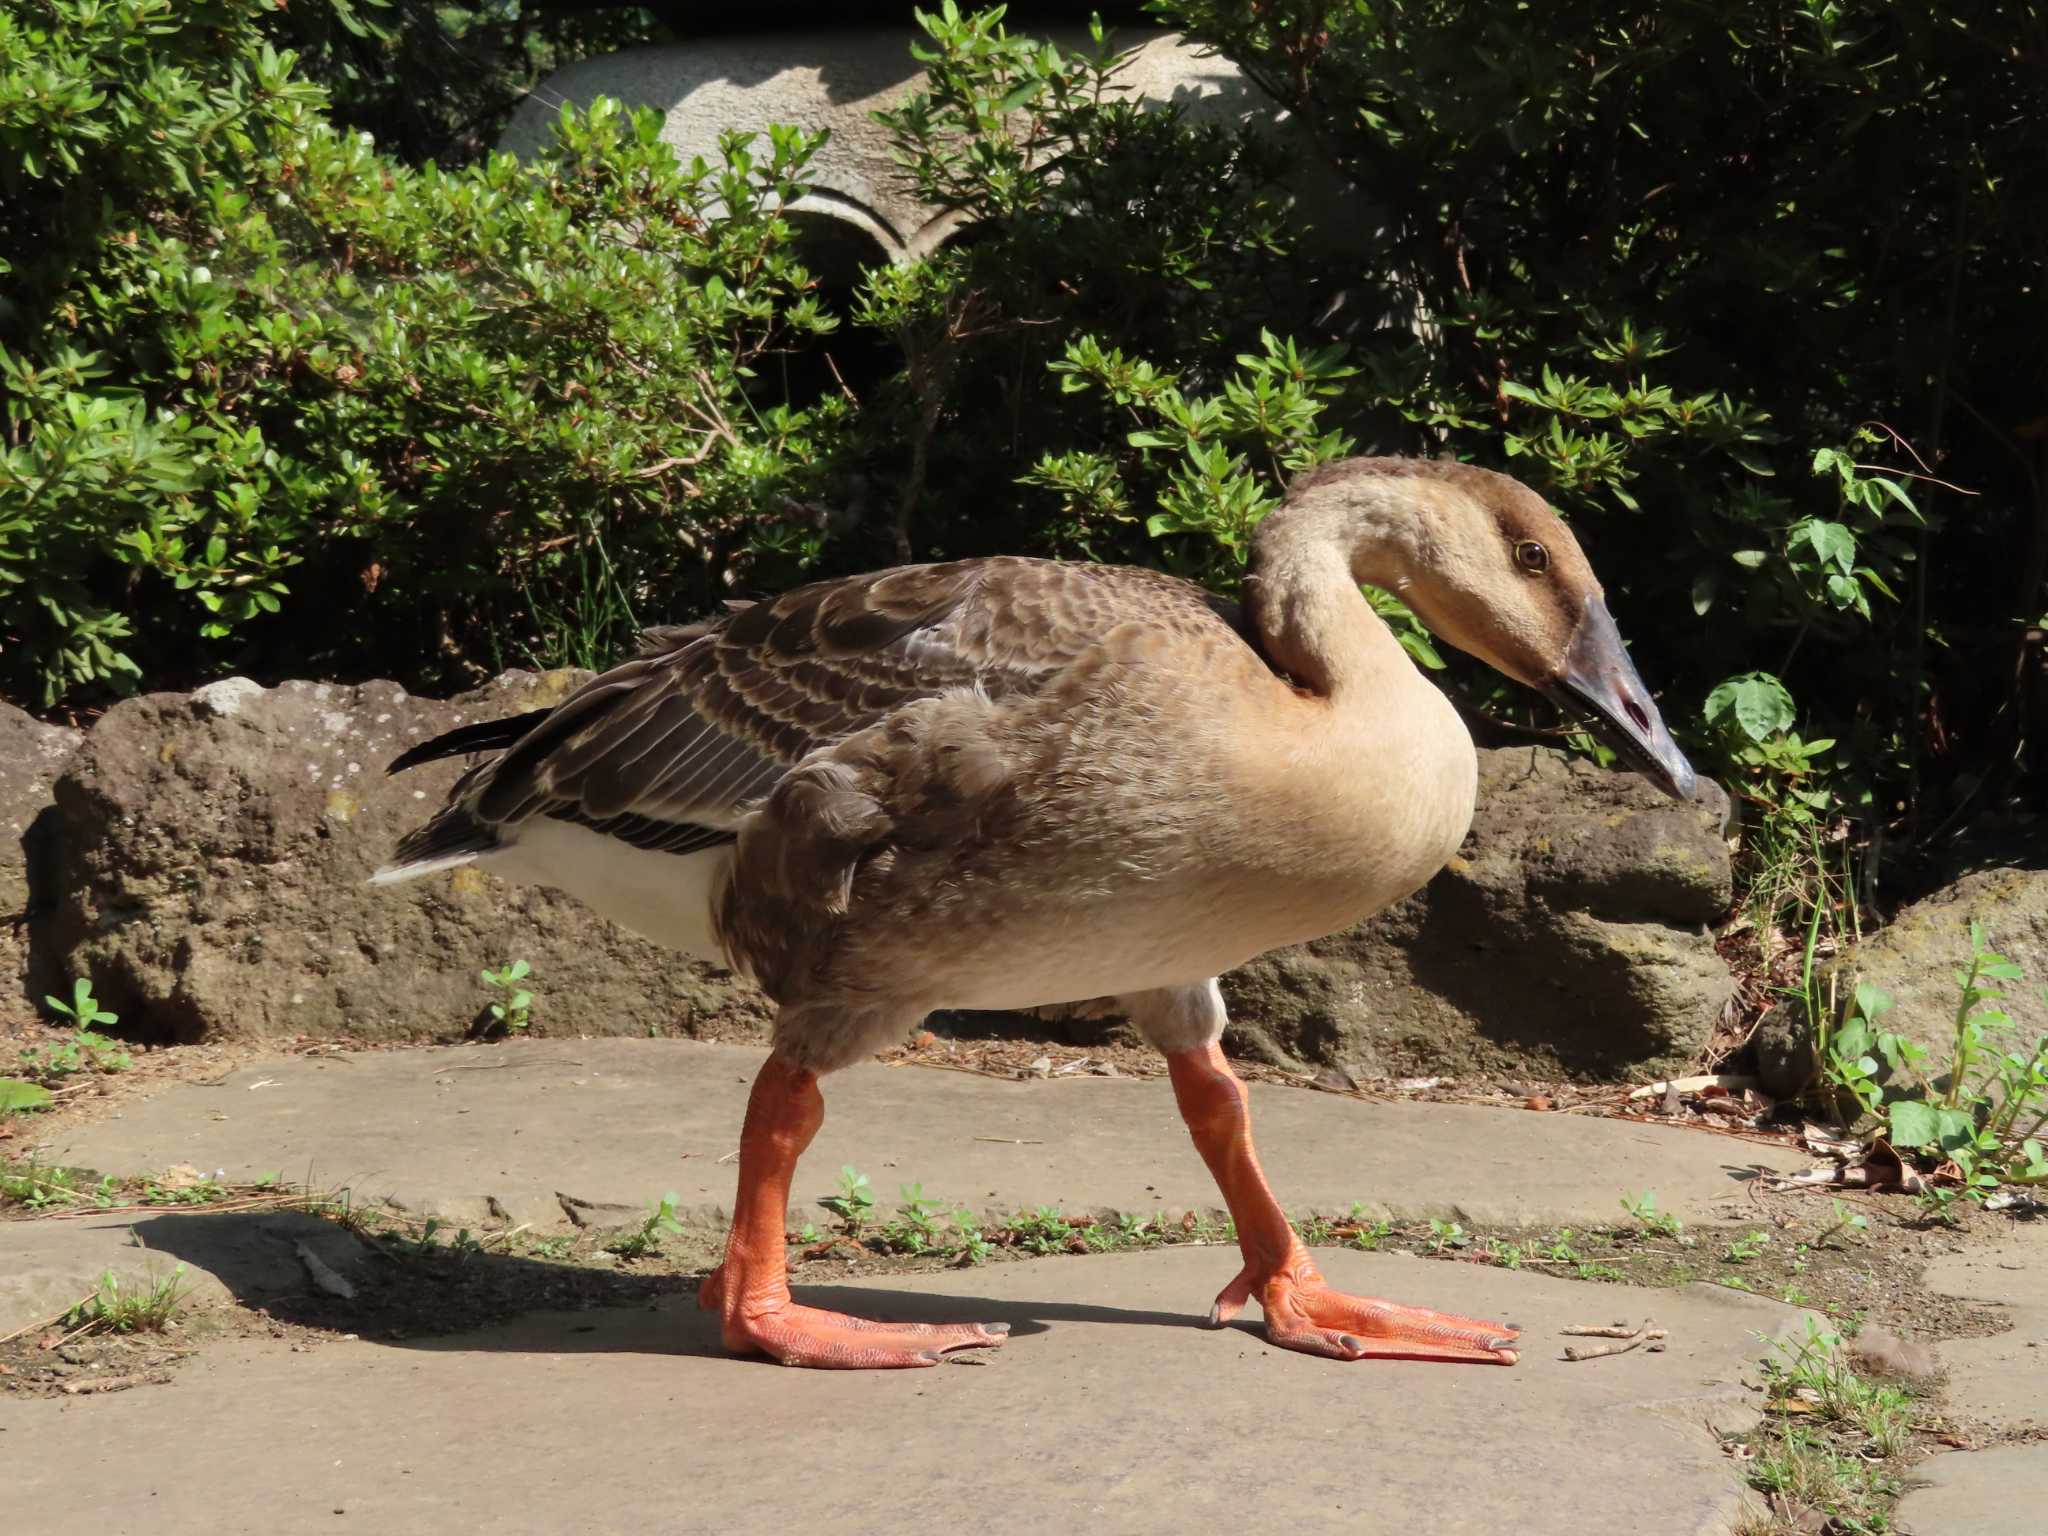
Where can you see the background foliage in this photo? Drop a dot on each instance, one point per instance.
(1750, 289)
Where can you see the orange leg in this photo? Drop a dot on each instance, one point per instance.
(1302, 1312)
(750, 1290)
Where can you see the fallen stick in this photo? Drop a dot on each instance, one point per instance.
(114, 1383)
(1598, 1331)
(1649, 1334)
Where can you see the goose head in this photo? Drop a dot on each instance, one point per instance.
(1485, 563)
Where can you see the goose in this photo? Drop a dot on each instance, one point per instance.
(1007, 782)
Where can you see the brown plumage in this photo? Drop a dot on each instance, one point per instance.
(1007, 782)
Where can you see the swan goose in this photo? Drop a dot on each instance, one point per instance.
(1004, 782)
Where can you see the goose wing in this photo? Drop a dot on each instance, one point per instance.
(668, 750)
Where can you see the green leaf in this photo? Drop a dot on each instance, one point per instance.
(1757, 703)
(1912, 1125)
(17, 1096)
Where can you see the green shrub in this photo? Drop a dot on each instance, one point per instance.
(478, 412)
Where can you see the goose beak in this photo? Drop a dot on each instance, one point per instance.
(1597, 676)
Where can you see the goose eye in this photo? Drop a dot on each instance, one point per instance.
(1532, 556)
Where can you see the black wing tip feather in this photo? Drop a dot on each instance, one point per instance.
(483, 736)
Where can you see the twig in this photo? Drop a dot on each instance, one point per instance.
(114, 1383)
(1649, 1334)
(1010, 1141)
(1946, 485)
(1603, 1331)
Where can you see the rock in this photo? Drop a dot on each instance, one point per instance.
(32, 754)
(1786, 1059)
(1567, 938)
(1915, 957)
(209, 853)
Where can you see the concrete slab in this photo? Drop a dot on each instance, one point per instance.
(478, 1133)
(1109, 1410)
(2000, 1492)
(2003, 1377)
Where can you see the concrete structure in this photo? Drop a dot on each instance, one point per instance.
(838, 80)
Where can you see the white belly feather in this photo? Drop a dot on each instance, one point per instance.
(665, 897)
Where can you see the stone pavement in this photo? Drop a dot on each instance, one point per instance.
(2002, 1380)
(1109, 1410)
(482, 1135)
(1109, 1406)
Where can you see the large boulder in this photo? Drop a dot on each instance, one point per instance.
(32, 754)
(1916, 955)
(209, 855)
(1568, 937)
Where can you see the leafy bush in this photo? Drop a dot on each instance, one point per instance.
(475, 412)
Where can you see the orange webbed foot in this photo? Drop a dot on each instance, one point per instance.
(1304, 1313)
(810, 1336)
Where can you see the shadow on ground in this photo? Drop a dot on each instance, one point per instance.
(438, 1298)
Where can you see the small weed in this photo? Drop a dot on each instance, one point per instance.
(38, 1188)
(1643, 1208)
(1042, 1231)
(1846, 1220)
(552, 1247)
(109, 1310)
(1808, 1471)
(1837, 1458)
(975, 1247)
(1746, 1248)
(204, 1191)
(661, 1221)
(1815, 1368)
(86, 1049)
(855, 1201)
(514, 1010)
(1446, 1234)
(1507, 1255)
(916, 1227)
(1594, 1271)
